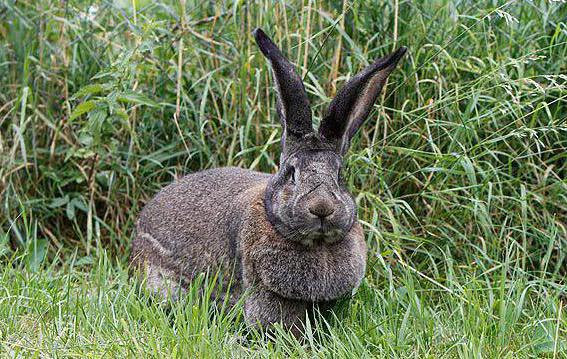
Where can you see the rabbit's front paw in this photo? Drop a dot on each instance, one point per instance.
(264, 308)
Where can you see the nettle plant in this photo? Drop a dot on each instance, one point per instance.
(103, 124)
(103, 113)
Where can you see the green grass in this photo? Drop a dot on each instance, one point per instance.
(460, 174)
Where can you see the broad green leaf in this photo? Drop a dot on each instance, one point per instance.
(136, 98)
(88, 90)
(58, 202)
(82, 108)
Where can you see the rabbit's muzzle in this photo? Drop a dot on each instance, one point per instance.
(321, 208)
(328, 215)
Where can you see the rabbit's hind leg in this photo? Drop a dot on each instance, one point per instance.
(148, 258)
(163, 282)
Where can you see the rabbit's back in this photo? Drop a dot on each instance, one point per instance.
(191, 225)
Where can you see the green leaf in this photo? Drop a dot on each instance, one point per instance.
(70, 210)
(74, 204)
(136, 98)
(58, 202)
(88, 90)
(97, 119)
(82, 108)
(78, 203)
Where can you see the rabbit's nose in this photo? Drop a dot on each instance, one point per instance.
(321, 208)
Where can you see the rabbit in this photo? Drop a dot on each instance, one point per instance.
(290, 240)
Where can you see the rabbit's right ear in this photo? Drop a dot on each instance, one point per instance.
(353, 103)
(293, 104)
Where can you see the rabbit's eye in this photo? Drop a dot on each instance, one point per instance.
(292, 174)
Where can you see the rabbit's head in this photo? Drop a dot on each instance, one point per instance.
(307, 199)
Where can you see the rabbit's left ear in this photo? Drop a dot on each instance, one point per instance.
(353, 103)
(293, 104)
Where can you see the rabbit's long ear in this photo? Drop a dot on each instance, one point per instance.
(353, 103)
(293, 105)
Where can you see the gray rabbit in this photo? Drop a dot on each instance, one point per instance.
(290, 239)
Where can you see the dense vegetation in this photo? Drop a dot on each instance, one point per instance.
(460, 174)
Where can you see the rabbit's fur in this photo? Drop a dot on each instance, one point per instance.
(292, 238)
